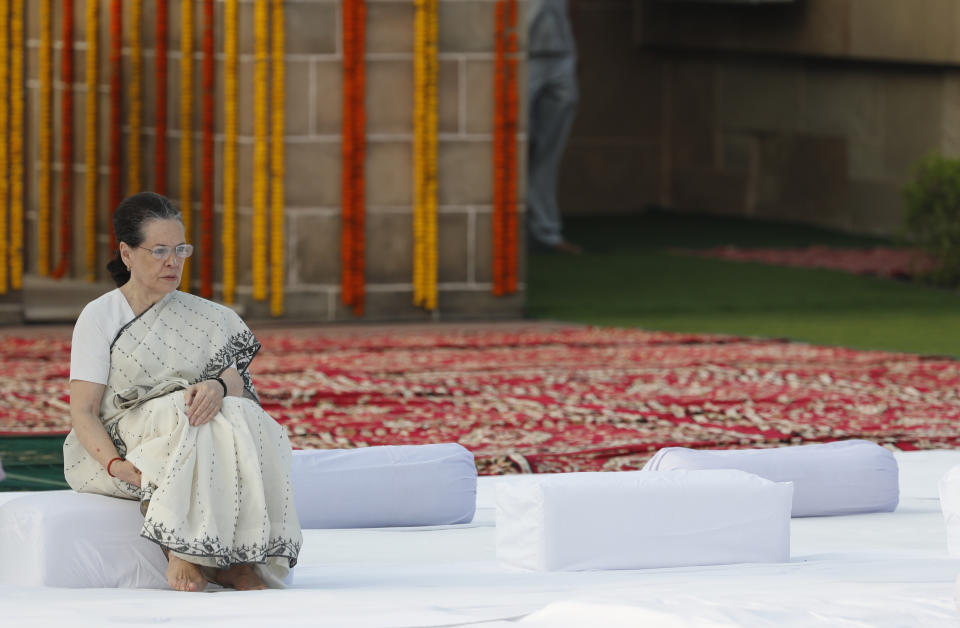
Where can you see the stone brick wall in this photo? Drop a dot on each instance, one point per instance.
(313, 116)
(761, 111)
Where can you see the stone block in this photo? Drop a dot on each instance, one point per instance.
(389, 96)
(390, 173)
(479, 97)
(913, 116)
(843, 101)
(452, 236)
(315, 241)
(244, 248)
(389, 27)
(483, 246)
(760, 96)
(872, 207)
(449, 96)
(480, 304)
(467, 25)
(328, 108)
(389, 247)
(298, 110)
(310, 27)
(692, 115)
(921, 31)
(608, 176)
(950, 142)
(173, 169)
(738, 152)
(312, 174)
(298, 305)
(709, 191)
(393, 305)
(466, 173)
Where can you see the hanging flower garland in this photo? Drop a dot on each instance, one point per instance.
(229, 234)
(44, 200)
(16, 146)
(4, 142)
(277, 164)
(116, 106)
(425, 70)
(134, 95)
(206, 198)
(186, 128)
(505, 150)
(260, 156)
(353, 154)
(66, 143)
(91, 179)
(160, 123)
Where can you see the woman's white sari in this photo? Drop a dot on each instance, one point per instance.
(215, 494)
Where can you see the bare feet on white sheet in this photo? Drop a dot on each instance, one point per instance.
(240, 577)
(184, 576)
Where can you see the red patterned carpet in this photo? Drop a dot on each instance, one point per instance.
(546, 400)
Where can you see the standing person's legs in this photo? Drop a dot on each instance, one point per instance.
(553, 101)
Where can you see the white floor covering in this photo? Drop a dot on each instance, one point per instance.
(888, 569)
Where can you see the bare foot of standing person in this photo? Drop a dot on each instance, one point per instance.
(184, 576)
(241, 577)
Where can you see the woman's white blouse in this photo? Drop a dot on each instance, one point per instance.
(97, 326)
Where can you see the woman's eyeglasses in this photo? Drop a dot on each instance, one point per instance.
(182, 251)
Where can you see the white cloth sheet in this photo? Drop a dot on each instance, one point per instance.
(881, 569)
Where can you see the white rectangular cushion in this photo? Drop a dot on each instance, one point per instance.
(373, 487)
(67, 539)
(949, 487)
(635, 520)
(839, 478)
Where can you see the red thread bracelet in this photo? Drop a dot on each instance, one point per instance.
(110, 464)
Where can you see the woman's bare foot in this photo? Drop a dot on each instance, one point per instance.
(240, 577)
(184, 576)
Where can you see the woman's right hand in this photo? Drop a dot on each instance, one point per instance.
(124, 470)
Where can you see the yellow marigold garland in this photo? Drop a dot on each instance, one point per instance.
(186, 126)
(229, 234)
(277, 165)
(16, 148)
(90, 150)
(425, 70)
(134, 94)
(45, 198)
(4, 141)
(260, 174)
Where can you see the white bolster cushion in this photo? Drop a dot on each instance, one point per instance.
(636, 520)
(67, 539)
(839, 478)
(373, 487)
(949, 487)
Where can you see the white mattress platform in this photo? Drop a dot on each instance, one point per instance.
(879, 569)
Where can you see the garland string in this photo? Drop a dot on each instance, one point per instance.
(135, 97)
(4, 143)
(116, 106)
(260, 156)
(505, 150)
(277, 164)
(16, 146)
(91, 178)
(66, 143)
(229, 234)
(206, 200)
(353, 151)
(160, 123)
(186, 128)
(425, 154)
(44, 197)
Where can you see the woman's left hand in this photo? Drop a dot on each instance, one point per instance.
(203, 401)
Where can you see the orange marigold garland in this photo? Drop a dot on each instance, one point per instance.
(353, 151)
(186, 128)
(277, 165)
(206, 199)
(116, 105)
(4, 141)
(16, 146)
(425, 71)
(135, 98)
(91, 176)
(66, 143)
(160, 124)
(45, 200)
(260, 155)
(505, 150)
(229, 234)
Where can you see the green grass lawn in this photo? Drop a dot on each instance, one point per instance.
(628, 278)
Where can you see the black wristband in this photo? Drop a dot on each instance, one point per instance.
(222, 383)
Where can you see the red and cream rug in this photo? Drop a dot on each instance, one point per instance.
(532, 398)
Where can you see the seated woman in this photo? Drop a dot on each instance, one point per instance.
(164, 411)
